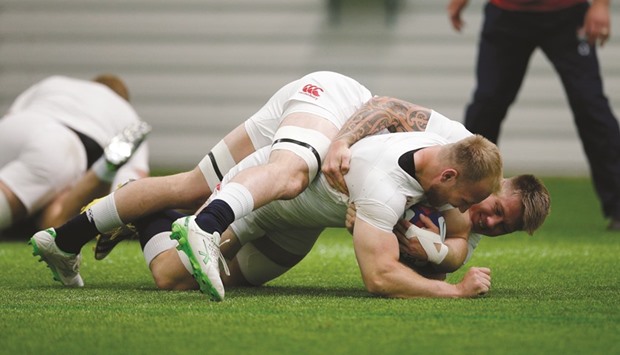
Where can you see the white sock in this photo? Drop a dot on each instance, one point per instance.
(103, 170)
(104, 214)
(238, 197)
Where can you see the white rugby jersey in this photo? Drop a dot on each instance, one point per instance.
(379, 187)
(450, 130)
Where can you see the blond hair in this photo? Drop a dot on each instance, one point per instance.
(477, 159)
(114, 83)
(535, 200)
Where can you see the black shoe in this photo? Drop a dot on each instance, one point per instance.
(107, 242)
(614, 225)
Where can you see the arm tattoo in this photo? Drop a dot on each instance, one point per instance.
(384, 113)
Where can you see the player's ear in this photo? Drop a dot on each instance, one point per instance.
(449, 175)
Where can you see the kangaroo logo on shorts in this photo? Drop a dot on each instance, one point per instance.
(313, 90)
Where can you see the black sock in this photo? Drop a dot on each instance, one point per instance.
(73, 235)
(216, 217)
(150, 226)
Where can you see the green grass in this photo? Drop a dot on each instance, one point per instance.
(557, 292)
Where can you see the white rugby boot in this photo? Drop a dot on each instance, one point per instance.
(203, 251)
(107, 241)
(65, 266)
(123, 145)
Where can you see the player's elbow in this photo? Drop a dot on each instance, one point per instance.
(452, 263)
(448, 266)
(377, 284)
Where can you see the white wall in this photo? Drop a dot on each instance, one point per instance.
(197, 68)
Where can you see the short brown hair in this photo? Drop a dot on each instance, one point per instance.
(115, 83)
(535, 200)
(477, 159)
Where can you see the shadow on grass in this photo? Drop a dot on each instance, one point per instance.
(583, 292)
(305, 291)
(237, 292)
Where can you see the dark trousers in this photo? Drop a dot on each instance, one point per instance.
(507, 42)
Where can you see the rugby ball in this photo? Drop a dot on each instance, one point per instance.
(414, 212)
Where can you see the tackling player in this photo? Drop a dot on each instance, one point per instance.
(388, 173)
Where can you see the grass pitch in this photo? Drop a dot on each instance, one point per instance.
(557, 292)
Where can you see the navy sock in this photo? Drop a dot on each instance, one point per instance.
(73, 235)
(216, 217)
(151, 225)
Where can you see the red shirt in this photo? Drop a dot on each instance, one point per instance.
(535, 5)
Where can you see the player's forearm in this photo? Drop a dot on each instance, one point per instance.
(377, 255)
(381, 113)
(457, 252)
(402, 282)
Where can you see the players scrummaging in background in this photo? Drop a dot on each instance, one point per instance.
(567, 31)
(63, 142)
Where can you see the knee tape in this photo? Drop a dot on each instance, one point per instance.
(216, 164)
(308, 144)
(6, 215)
(256, 267)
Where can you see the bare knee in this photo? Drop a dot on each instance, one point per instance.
(291, 174)
(191, 188)
(295, 185)
(169, 273)
(163, 282)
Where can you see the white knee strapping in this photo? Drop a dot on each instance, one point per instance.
(104, 214)
(6, 215)
(308, 144)
(216, 164)
(158, 244)
(256, 267)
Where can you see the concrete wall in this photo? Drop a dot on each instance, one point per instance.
(197, 68)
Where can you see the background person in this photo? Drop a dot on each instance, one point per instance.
(567, 32)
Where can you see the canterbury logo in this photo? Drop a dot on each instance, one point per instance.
(312, 90)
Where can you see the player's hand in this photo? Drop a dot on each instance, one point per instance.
(476, 282)
(336, 165)
(596, 24)
(350, 218)
(412, 246)
(428, 224)
(409, 246)
(454, 13)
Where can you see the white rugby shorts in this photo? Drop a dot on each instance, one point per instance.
(39, 159)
